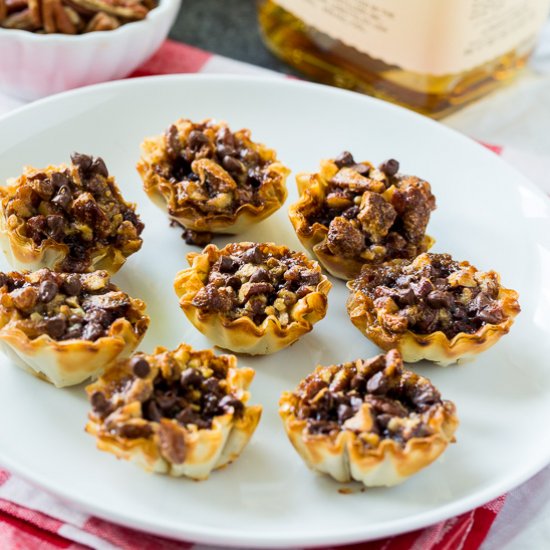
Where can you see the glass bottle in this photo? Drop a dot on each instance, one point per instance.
(433, 56)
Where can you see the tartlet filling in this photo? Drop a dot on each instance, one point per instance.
(432, 293)
(373, 212)
(79, 206)
(212, 168)
(192, 392)
(64, 305)
(256, 282)
(376, 399)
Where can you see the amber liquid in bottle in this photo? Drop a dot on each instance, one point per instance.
(332, 62)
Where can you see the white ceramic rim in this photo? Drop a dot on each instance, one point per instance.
(223, 537)
(59, 38)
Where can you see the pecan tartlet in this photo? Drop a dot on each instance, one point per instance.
(67, 327)
(431, 308)
(180, 412)
(371, 421)
(350, 214)
(68, 218)
(210, 179)
(252, 298)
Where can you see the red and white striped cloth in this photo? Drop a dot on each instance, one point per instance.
(32, 519)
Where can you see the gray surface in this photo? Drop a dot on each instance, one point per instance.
(226, 27)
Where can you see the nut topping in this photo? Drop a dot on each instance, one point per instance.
(377, 397)
(350, 214)
(77, 211)
(71, 16)
(210, 178)
(43, 305)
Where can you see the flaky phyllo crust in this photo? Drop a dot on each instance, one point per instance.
(70, 362)
(312, 190)
(243, 335)
(22, 253)
(357, 450)
(376, 322)
(193, 208)
(167, 446)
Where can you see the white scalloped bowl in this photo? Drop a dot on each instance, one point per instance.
(37, 65)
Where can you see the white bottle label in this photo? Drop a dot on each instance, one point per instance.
(425, 36)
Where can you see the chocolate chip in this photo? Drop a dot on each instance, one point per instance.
(72, 285)
(383, 420)
(210, 404)
(197, 139)
(83, 162)
(151, 411)
(439, 299)
(196, 238)
(344, 159)
(36, 227)
(344, 412)
(390, 167)
(63, 197)
(59, 180)
(230, 402)
(260, 276)
(212, 385)
(55, 326)
(231, 164)
(166, 399)
(228, 264)
(422, 288)
(140, 366)
(47, 291)
(98, 167)
(254, 178)
(357, 382)
(253, 255)
(362, 169)
(191, 377)
(234, 282)
(55, 227)
(92, 331)
(404, 297)
(100, 403)
(74, 331)
(4, 279)
(377, 383)
(425, 396)
(226, 143)
(100, 316)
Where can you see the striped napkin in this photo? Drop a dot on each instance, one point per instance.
(32, 519)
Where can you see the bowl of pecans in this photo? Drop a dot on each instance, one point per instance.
(49, 46)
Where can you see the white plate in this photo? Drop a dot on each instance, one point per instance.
(487, 213)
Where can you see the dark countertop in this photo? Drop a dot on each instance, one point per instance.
(225, 27)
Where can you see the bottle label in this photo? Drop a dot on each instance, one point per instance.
(424, 36)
